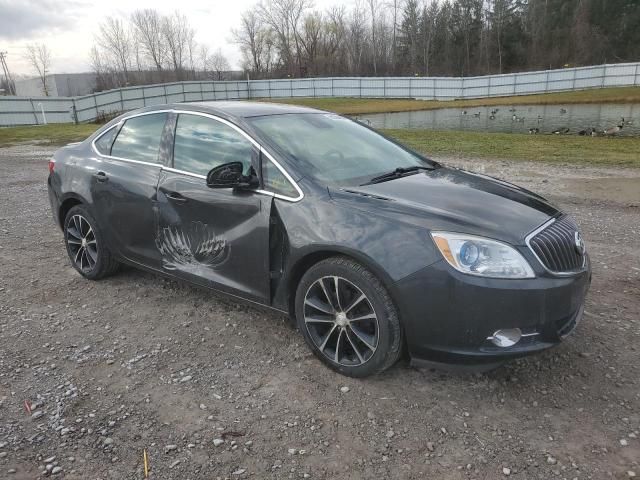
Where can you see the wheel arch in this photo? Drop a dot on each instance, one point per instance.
(70, 201)
(318, 254)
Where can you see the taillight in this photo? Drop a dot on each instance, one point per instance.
(52, 164)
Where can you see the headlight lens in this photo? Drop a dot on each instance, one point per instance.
(482, 256)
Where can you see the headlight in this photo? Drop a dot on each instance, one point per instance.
(481, 256)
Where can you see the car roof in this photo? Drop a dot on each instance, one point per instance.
(245, 109)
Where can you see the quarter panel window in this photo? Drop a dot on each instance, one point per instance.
(274, 180)
(139, 139)
(203, 143)
(103, 144)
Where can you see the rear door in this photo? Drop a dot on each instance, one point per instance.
(124, 186)
(216, 237)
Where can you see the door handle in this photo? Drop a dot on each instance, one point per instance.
(101, 177)
(176, 197)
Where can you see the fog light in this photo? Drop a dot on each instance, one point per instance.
(507, 337)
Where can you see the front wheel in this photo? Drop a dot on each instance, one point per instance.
(87, 250)
(347, 317)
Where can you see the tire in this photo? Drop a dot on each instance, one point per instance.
(351, 323)
(86, 246)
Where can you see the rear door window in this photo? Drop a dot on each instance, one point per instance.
(202, 143)
(140, 137)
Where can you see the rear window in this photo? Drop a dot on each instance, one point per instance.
(139, 139)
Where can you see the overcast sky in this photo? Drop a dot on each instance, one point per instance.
(67, 26)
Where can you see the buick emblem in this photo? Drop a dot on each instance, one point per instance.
(579, 243)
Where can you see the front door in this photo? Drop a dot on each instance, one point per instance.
(215, 237)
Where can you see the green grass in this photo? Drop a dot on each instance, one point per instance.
(51, 134)
(565, 149)
(358, 106)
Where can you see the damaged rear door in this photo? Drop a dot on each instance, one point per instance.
(214, 237)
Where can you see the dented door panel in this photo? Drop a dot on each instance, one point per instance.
(123, 202)
(214, 237)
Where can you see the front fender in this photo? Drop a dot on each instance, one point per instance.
(318, 228)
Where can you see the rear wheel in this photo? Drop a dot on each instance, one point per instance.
(87, 250)
(347, 318)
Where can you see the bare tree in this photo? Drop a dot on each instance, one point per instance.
(374, 7)
(252, 37)
(203, 53)
(147, 26)
(257, 42)
(115, 40)
(218, 65)
(498, 13)
(394, 6)
(178, 36)
(357, 33)
(335, 39)
(284, 17)
(311, 38)
(107, 75)
(429, 18)
(39, 56)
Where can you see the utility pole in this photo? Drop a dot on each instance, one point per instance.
(7, 75)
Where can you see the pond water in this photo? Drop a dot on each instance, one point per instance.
(567, 119)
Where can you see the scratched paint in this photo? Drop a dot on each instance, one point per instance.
(191, 249)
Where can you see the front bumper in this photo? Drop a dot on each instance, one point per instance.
(449, 317)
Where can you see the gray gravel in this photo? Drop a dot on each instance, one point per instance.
(94, 373)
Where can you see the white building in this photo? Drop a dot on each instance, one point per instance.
(58, 85)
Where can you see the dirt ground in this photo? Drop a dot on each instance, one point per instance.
(212, 389)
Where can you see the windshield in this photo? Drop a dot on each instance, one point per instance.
(333, 149)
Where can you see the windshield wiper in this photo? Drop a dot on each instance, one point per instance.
(397, 173)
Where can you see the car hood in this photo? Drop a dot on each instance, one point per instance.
(455, 200)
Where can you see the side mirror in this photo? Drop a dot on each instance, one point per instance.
(229, 175)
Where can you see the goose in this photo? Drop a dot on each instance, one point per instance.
(492, 117)
(587, 131)
(494, 111)
(628, 122)
(613, 130)
(514, 118)
(512, 109)
(477, 115)
(534, 131)
(561, 131)
(464, 112)
(563, 111)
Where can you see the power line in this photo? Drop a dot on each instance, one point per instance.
(7, 74)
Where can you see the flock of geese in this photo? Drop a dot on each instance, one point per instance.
(591, 131)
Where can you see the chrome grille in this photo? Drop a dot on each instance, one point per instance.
(555, 246)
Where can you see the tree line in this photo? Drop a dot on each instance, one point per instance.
(291, 38)
(149, 47)
(435, 38)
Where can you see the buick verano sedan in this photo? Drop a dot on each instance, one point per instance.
(372, 248)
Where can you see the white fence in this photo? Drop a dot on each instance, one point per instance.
(29, 111)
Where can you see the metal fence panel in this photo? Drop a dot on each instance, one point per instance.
(28, 111)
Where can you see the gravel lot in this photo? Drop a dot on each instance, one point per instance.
(212, 389)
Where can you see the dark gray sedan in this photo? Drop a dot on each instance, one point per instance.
(372, 248)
